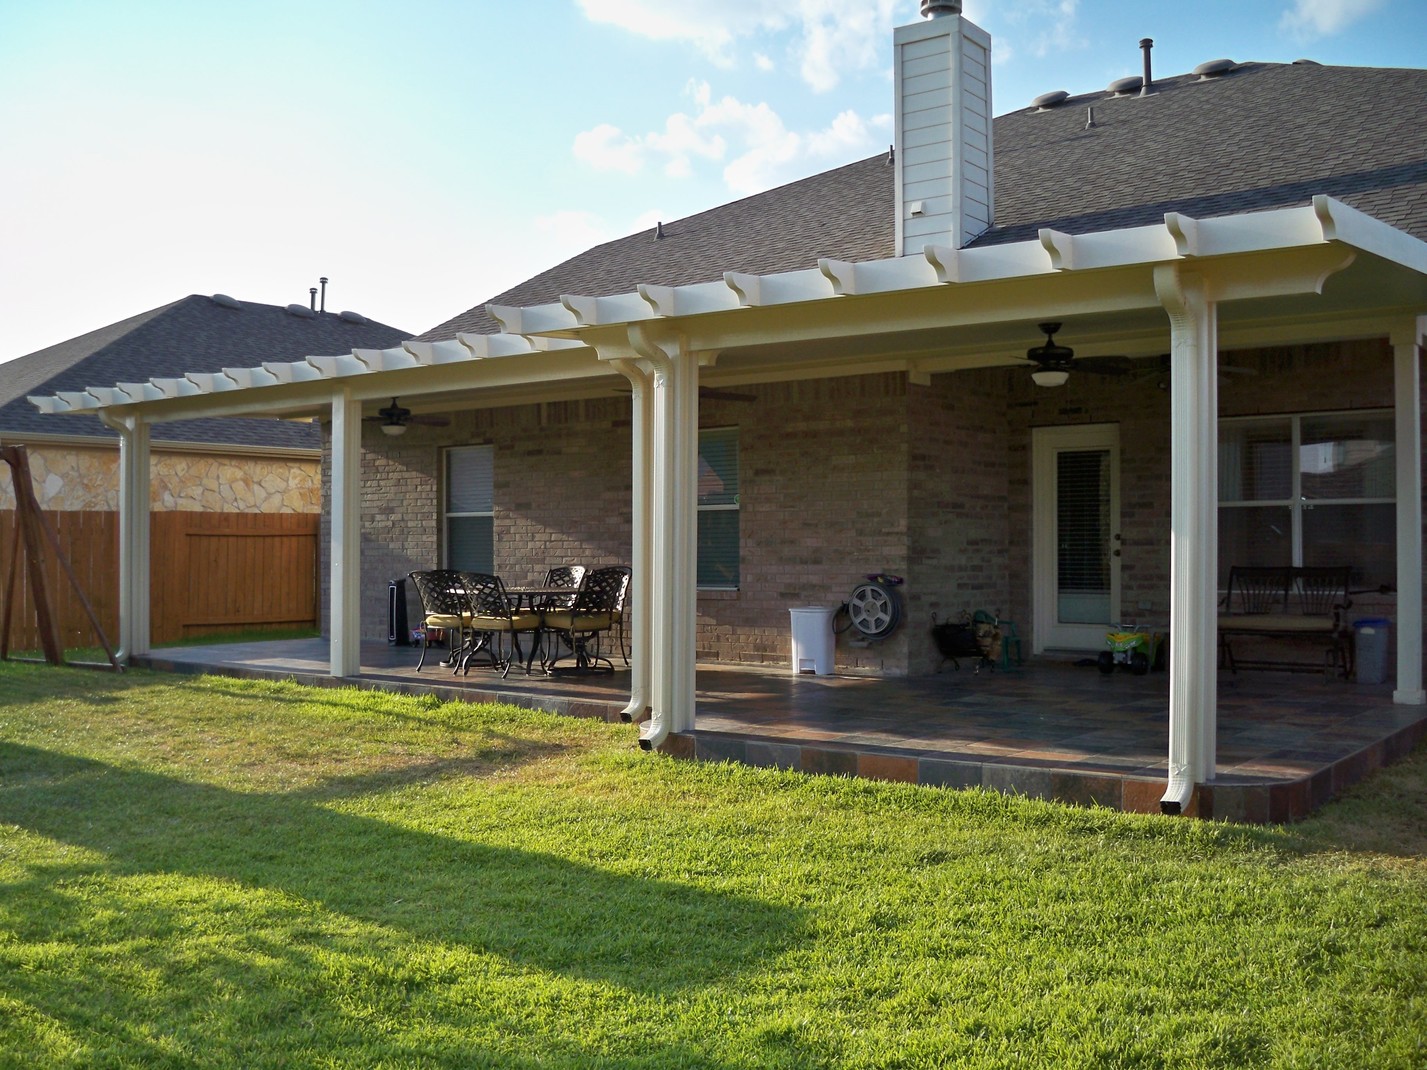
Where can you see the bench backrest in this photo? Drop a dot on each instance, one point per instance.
(1322, 591)
(1313, 591)
(1257, 589)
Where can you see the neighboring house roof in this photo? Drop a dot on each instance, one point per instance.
(193, 334)
(1261, 136)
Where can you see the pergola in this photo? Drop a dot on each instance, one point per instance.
(1319, 272)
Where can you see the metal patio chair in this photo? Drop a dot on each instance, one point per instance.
(599, 606)
(443, 606)
(494, 622)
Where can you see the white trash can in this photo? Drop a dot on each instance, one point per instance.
(812, 639)
(1370, 637)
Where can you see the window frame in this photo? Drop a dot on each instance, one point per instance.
(1296, 503)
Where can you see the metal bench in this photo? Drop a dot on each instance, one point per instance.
(1285, 603)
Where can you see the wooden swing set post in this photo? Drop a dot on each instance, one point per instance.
(32, 531)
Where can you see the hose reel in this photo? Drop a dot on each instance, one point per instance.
(875, 608)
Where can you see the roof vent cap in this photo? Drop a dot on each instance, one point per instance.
(1046, 101)
(224, 301)
(1123, 87)
(1306, 63)
(932, 9)
(1214, 68)
(302, 311)
(352, 317)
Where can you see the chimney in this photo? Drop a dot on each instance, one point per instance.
(942, 72)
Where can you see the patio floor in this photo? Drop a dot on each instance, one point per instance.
(1052, 729)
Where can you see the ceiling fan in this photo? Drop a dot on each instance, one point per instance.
(394, 419)
(1052, 361)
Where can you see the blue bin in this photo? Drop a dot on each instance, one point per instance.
(1370, 637)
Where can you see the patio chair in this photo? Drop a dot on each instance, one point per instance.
(443, 606)
(599, 604)
(571, 576)
(493, 621)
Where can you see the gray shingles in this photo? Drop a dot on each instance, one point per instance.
(1264, 136)
(190, 335)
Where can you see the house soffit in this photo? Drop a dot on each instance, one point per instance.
(1305, 272)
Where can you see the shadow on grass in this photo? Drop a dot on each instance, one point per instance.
(535, 910)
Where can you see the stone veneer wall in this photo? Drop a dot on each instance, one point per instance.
(76, 479)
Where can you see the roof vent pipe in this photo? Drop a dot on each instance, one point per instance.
(312, 297)
(659, 231)
(323, 306)
(935, 9)
(1089, 118)
(1147, 43)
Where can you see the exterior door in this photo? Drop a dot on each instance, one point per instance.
(1076, 490)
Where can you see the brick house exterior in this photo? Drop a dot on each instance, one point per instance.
(870, 333)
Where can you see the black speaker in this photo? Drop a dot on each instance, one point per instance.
(397, 631)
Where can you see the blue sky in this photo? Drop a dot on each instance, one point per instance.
(427, 154)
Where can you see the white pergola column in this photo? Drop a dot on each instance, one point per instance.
(345, 550)
(1194, 501)
(638, 604)
(135, 481)
(1407, 390)
(674, 536)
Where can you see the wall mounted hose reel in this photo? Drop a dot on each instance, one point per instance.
(874, 608)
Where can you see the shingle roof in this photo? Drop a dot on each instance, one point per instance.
(1262, 136)
(194, 334)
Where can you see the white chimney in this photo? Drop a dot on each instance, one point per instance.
(942, 70)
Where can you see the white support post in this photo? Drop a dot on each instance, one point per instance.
(674, 537)
(1407, 382)
(134, 566)
(344, 607)
(637, 608)
(684, 574)
(1193, 699)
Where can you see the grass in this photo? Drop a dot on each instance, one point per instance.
(97, 655)
(201, 872)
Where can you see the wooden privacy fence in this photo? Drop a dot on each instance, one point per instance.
(211, 573)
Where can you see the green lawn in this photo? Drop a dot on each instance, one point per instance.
(205, 872)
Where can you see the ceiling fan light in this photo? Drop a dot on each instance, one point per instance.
(1050, 376)
(393, 429)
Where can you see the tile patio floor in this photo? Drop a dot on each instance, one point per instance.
(1287, 743)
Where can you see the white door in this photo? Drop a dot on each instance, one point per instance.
(1075, 486)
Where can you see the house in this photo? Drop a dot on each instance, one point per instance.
(764, 403)
(261, 465)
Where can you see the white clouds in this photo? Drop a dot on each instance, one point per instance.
(751, 140)
(830, 38)
(1050, 27)
(1311, 19)
(605, 148)
(837, 37)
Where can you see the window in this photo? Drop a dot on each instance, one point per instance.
(470, 508)
(1314, 489)
(718, 509)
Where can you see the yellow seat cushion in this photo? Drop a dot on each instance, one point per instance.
(1276, 622)
(566, 620)
(447, 620)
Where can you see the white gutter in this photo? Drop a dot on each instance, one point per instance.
(639, 601)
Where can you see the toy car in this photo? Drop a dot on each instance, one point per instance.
(1133, 649)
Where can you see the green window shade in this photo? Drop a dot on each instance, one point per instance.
(718, 509)
(470, 508)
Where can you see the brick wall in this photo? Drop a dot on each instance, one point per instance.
(839, 478)
(959, 521)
